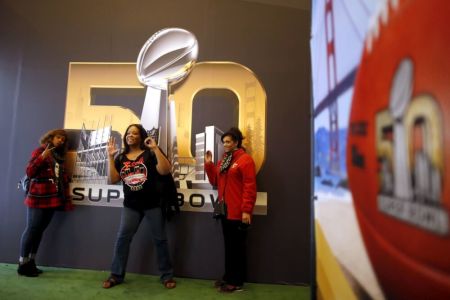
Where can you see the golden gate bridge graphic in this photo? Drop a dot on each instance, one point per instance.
(338, 34)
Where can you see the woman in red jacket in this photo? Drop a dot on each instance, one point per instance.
(48, 192)
(235, 178)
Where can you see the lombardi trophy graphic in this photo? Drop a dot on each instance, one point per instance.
(165, 59)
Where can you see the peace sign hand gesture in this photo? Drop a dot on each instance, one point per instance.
(47, 151)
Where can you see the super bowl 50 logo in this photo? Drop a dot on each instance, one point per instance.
(409, 141)
(397, 150)
(101, 101)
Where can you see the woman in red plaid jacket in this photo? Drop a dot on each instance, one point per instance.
(47, 193)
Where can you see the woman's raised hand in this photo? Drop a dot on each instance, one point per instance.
(111, 148)
(48, 150)
(208, 157)
(150, 143)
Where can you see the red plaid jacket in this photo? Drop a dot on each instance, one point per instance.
(43, 191)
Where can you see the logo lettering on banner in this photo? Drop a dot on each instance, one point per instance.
(189, 200)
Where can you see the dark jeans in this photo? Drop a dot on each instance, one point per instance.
(37, 221)
(129, 224)
(235, 252)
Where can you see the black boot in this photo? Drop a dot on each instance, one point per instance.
(33, 266)
(26, 269)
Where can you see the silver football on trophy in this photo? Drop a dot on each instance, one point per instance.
(167, 57)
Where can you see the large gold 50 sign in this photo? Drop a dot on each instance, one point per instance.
(205, 75)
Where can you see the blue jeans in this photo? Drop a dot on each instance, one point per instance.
(129, 224)
(37, 221)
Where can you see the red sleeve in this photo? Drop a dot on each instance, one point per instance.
(249, 187)
(210, 170)
(35, 163)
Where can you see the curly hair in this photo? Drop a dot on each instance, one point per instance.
(49, 135)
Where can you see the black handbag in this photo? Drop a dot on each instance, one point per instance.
(220, 210)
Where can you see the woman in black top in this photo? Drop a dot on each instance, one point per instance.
(139, 166)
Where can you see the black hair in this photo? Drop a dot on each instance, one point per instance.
(235, 134)
(142, 133)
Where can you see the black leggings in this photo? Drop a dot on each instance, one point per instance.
(235, 252)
